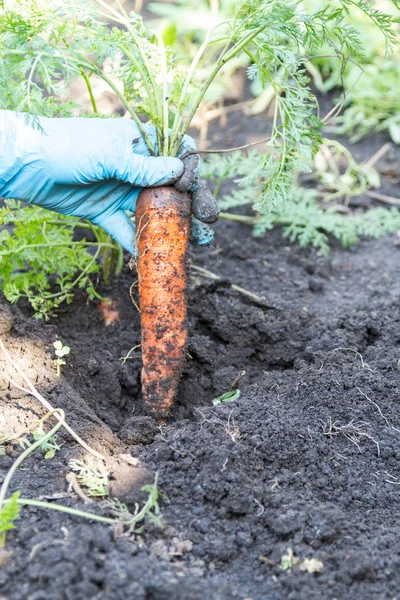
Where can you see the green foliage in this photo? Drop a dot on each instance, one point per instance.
(306, 222)
(8, 514)
(41, 261)
(46, 45)
(49, 447)
(305, 219)
(152, 507)
(43, 46)
(92, 474)
(374, 104)
(371, 82)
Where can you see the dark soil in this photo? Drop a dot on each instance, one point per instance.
(305, 462)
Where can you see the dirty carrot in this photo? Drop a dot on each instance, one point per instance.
(162, 240)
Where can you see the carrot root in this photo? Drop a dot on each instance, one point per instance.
(162, 221)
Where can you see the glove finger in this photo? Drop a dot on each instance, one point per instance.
(204, 205)
(200, 233)
(150, 171)
(187, 145)
(120, 227)
(189, 180)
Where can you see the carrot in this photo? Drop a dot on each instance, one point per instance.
(162, 221)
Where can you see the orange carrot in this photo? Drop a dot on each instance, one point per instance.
(162, 221)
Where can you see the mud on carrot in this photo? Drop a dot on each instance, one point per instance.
(162, 239)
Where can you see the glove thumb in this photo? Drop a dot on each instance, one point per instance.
(120, 227)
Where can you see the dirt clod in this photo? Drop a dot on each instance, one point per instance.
(6, 320)
(126, 484)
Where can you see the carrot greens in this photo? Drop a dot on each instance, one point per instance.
(46, 46)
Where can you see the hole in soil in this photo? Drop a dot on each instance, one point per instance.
(372, 336)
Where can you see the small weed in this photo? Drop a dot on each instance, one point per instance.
(150, 510)
(310, 565)
(9, 513)
(49, 446)
(91, 474)
(60, 351)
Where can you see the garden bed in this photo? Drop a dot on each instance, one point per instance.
(305, 465)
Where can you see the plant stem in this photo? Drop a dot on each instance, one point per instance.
(226, 56)
(128, 107)
(123, 19)
(31, 74)
(147, 87)
(53, 245)
(240, 45)
(90, 90)
(148, 505)
(27, 452)
(80, 276)
(188, 79)
(165, 104)
(64, 509)
(219, 183)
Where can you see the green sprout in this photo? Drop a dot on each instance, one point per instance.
(288, 560)
(49, 446)
(233, 394)
(60, 352)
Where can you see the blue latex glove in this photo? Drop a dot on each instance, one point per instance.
(90, 168)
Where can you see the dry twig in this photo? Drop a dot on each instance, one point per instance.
(215, 277)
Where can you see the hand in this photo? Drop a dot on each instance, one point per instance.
(90, 168)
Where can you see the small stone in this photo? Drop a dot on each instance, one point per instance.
(5, 557)
(93, 367)
(6, 320)
(315, 285)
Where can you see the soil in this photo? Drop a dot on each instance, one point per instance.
(304, 465)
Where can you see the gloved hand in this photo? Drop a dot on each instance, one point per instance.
(90, 168)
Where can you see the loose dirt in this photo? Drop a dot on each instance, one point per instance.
(305, 465)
